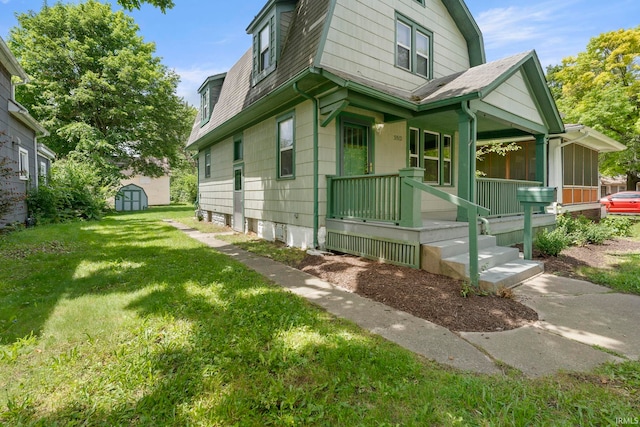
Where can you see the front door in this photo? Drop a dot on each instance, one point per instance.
(238, 199)
(355, 147)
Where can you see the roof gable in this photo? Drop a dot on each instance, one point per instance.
(469, 29)
(480, 81)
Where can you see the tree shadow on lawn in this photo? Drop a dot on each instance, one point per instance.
(254, 351)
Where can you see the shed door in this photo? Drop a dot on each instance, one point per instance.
(131, 200)
(238, 199)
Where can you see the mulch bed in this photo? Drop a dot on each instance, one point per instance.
(438, 298)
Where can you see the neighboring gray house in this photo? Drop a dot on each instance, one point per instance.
(352, 126)
(30, 159)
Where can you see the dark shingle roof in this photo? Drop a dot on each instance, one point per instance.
(299, 49)
(473, 80)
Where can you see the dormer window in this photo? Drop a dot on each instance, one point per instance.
(269, 30)
(209, 94)
(265, 51)
(204, 105)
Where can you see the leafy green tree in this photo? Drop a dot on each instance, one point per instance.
(99, 89)
(135, 4)
(600, 88)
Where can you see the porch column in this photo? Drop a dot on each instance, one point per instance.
(410, 198)
(541, 159)
(466, 159)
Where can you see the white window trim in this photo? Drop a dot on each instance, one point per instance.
(43, 172)
(23, 164)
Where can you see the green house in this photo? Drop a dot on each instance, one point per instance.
(353, 126)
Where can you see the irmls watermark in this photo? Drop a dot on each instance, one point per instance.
(627, 421)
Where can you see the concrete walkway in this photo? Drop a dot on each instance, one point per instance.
(581, 325)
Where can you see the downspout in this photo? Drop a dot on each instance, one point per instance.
(472, 215)
(315, 162)
(472, 150)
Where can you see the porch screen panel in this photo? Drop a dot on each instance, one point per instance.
(578, 168)
(567, 161)
(431, 157)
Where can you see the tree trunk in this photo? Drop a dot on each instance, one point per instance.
(632, 181)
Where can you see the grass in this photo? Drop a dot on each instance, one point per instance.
(623, 271)
(130, 322)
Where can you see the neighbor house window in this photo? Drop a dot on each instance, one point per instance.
(433, 152)
(286, 147)
(43, 173)
(207, 163)
(414, 46)
(23, 164)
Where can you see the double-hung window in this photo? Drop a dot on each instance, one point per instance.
(23, 164)
(204, 106)
(414, 46)
(433, 152)
(207, 163)
(264, 58)
(286, 146)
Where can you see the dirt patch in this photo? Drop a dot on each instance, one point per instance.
(599, 256)
(440, 299)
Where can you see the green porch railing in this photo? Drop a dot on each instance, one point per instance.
(499, 195)
(364, 197)
(396, 198)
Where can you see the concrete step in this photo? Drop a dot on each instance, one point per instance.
(509, 274)
(457, 266)
(433, 253)
(437, 231)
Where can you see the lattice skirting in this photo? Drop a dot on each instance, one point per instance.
(391, 251)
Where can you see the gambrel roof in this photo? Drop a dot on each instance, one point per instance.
(242, 103)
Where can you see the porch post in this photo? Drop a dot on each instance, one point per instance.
(466, 159)
(410, 198)
(541, 159)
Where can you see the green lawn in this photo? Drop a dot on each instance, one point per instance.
(128, 321)
(624, 272)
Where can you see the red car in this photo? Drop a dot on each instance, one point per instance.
(623, 202)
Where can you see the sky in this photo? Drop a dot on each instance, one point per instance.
(199, 38)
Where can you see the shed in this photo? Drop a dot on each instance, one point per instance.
(131, 198)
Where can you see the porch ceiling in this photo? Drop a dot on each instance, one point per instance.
(490, 126)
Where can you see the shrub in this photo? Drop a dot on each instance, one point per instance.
(597, 233)
(184, 187)
(75, 191)
(620, 226)
(551, 243)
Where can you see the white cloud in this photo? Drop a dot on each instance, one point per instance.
(542, 26)
(191, 79)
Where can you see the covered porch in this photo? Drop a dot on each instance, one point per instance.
(437, 194)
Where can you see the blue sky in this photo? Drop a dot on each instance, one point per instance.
(198, 38)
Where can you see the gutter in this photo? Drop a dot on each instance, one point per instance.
(315, 162)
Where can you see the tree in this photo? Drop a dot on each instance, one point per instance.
(135, 4)
(99, 89)
(600, 88)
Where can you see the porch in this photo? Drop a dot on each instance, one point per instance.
(379, 217)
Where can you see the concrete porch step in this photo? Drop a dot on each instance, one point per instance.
(458, 266)
(509, 274)
(498, 266)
